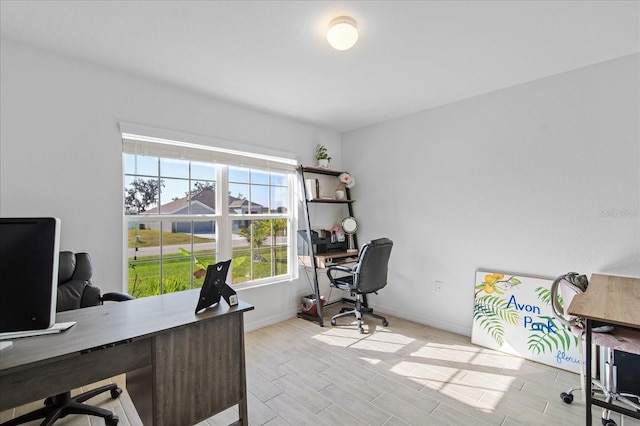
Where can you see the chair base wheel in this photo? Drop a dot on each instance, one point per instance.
(361, 330)
(566, 397)
(385, 323)
(113, 421)
(115, 393)
(333, 322)
(608, 422)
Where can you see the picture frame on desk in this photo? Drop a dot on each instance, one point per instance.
(215, 286)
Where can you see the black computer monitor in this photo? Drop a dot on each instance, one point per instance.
(29, 250)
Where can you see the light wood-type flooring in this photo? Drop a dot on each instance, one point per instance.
(405, 374)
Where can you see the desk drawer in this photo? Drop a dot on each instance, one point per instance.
(199, 371)
(73, 371)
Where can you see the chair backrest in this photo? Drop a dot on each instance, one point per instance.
(75, 285)
(371, 272)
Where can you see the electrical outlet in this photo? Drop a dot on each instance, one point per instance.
(438, 285)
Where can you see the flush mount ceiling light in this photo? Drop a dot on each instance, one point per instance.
(342, 34)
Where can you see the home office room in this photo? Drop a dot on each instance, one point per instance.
(320, 213)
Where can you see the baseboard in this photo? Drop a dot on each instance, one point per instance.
(265, 322)
(431, 322)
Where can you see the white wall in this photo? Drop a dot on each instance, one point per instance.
(61, 153)
(541, 178)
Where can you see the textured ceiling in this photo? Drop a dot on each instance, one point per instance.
(272, 55)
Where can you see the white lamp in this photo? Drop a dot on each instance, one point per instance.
(342, 34)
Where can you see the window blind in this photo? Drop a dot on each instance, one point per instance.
(169, 148)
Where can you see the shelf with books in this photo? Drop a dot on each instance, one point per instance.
(312, 188)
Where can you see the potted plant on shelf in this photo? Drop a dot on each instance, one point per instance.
(322, 156)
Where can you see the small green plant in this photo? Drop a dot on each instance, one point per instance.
(199, 267)
(134, 289)
(322, 153)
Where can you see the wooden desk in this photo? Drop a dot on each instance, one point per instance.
(609, 299)
(324, 260)
(181, 367)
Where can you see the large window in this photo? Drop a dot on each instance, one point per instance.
(187, 207)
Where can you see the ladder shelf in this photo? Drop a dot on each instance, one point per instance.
(314, 258)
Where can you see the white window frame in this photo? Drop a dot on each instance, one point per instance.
(143, 140)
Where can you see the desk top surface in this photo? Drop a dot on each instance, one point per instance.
(337, 254)
(112, 323)
(611, 299)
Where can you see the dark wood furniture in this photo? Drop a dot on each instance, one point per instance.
(611, 300)
(181, 367)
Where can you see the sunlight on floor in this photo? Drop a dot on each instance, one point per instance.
(465, 373)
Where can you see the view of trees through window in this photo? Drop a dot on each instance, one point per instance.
(178, 224)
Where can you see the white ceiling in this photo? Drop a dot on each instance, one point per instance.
(272, 55)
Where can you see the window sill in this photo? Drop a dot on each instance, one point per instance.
(261, 283)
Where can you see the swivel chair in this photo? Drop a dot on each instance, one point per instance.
(605, 336)
(75, 291)
(367, 276)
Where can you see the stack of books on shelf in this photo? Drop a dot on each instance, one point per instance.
(312, 188)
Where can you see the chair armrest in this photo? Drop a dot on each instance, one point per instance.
(338, 268)
(116, 296)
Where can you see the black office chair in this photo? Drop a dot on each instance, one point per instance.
(367, 276)
(75, 291)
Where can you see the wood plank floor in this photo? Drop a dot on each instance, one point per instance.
(405, 374)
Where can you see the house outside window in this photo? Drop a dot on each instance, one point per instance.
(188, 206)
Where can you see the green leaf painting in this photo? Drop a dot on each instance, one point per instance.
(544, 294)
(491, 311)
(551, 336)
(513, 314)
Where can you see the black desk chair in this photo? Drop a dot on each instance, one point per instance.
(367, 276)
(75, 291)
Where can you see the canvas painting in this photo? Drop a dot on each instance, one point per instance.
(512, 313)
